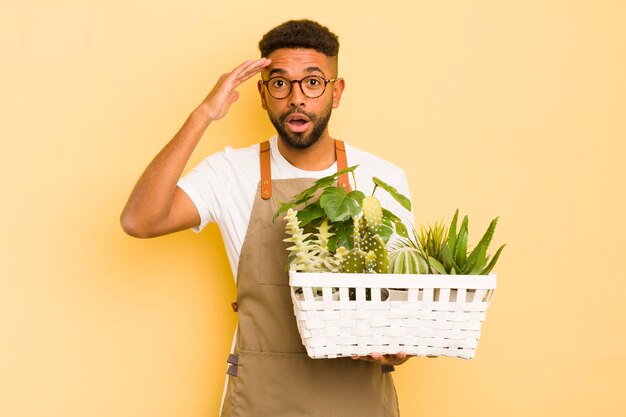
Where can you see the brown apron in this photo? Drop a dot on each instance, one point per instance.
(270, 372)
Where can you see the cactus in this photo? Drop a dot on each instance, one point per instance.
(369, 253)
(373, 214)
(408, 255)
(370, 262)
(354, 262)
(376, 245)
(406, 260)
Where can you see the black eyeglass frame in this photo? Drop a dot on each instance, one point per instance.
(265, 82)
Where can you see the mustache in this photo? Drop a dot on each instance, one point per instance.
(296, 110)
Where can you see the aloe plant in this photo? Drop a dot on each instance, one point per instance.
(455, 257)
(431, 251)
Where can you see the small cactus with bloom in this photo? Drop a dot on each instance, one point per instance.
(369, 253)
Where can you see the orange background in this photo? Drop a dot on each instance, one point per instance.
(502, 108)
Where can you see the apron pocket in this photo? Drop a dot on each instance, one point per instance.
(294, 385)
(273, 262)
(272, 385)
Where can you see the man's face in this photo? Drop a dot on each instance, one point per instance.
(299, 120)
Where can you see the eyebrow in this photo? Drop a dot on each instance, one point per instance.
(281, 71)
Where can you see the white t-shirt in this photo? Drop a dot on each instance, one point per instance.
(223, 187)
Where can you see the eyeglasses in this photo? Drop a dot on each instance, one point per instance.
(312, 86)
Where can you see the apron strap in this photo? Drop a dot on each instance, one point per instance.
(340, 152)
(266, 171)
(266, 168)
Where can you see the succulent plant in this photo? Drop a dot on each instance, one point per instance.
(354, 261)
(432, 251)
(311, 255)
(457, 260)
(369, 251)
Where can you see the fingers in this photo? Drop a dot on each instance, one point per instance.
(216, 104)
(381, 359)
(247, 70)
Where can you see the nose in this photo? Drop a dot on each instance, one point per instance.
(296, 97)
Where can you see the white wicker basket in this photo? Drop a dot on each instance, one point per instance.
(437, 315)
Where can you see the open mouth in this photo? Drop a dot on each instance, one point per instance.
(297, 123)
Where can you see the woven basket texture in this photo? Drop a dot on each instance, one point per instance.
(359, 314)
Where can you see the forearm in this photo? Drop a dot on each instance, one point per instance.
(151, 199)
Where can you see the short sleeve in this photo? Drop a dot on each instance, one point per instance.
(203, 184)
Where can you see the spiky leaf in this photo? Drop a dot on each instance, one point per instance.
(436, 265)
(493, 261)
(460, 251)
(481, 261)
(447, 257)
(483, 245)
(452, 233)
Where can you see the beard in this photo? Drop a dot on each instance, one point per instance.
(302, 140)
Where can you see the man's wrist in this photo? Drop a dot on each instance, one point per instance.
(201, 116)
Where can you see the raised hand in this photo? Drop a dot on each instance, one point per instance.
(216, 104)
(156, 205)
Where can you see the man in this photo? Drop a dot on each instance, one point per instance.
(270, 373)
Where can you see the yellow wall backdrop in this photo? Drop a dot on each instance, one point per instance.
(509, 108)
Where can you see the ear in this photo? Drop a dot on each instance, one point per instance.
(262, 94)
(338, 87)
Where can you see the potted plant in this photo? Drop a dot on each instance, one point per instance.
(441, 250)
(425, 294)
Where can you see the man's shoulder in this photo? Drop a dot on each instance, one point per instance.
(369, 161)
(233, 156)
(241, 153)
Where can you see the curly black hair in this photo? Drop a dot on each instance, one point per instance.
(300, 34)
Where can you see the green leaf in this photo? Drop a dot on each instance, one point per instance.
(339, 205)
(386, 230)
(436, 265)
(284, 207)
(447, 257)
(452, 232)
(405, 202)
(482, 246)
(307, 194)
(310, 213)
(481, 260)
(460, 252)
(400, 227)
(493, 261)
(343, 235)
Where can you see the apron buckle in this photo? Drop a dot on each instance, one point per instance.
(387, 368)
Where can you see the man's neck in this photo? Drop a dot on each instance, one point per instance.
(316, 157)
